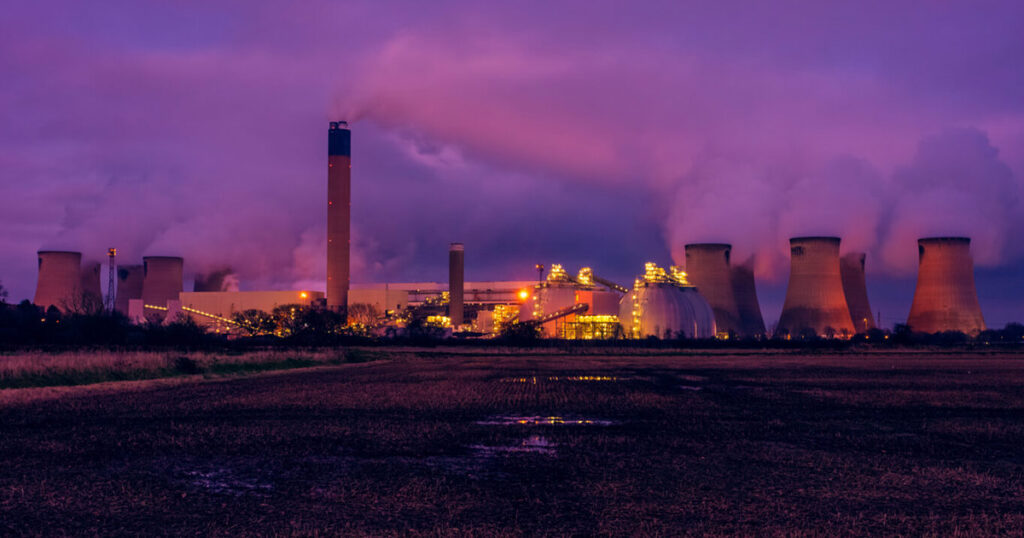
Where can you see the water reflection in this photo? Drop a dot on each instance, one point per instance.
(543, 421)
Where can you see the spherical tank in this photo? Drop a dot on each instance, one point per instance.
(548, 297)
(665, 310)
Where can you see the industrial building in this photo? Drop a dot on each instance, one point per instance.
(663, 304)
(945, 298)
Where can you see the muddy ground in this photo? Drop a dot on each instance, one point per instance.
(439, 444)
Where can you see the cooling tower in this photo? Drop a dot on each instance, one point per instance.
(161, 279)
(129, 286)
(945, 298)
(707, 267)
(59, 279)
(339, 206)
(745, 291)
(212, 281)
(814, 296)
(456, 283)
(851, 268)
(90, 285)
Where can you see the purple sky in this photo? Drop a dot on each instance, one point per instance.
(582, 133)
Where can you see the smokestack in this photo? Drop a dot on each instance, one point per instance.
(339, 206)
(161, 279)
(59, 279)
(129, 286)
(745, 291)
(707, 267)
(456, 283)
(945, 298)
(814, 297)
(851, 268)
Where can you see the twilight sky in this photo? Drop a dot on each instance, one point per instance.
(595, 133)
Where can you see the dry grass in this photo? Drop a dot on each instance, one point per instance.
(41, 369)
(756, 445)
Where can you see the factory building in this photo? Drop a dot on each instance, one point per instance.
(815, 302)
(339, 207)
(568, 307)
(851, 269)
(59, 281)
(663, 304)
(945, 298)
(745, 291)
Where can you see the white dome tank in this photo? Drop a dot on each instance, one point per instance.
(665, 306)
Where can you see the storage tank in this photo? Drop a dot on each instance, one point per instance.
(707, 267)
(945, 298)
(129, 286)
(59, 282)
(745, 291)
(162, 279)
(665, 305)
(815, 301)
(851, 268)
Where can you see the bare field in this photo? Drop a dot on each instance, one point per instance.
(443, 442)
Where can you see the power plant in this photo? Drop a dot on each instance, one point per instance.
(815, 302)
(826, 294)
(339, 208)
(855, 288)
(945, 298)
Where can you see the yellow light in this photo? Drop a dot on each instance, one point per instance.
(524, 295)
(304, 295)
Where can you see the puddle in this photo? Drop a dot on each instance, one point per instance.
(693, 378)
(226, 482)
(543, 421)
(690, 387)
(534, 444)
(572, 378)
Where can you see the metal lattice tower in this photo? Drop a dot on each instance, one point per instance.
(111, 284)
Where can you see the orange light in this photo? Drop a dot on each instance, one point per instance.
(304, 295)
(524, 294)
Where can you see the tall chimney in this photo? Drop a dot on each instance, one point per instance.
(814, 296)
(745, 291)
(161, 279)
(456, 283)
(339, 207)
(851, 268)
(707, 267)
(945, 298)
(59, 281)
(129, 286)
